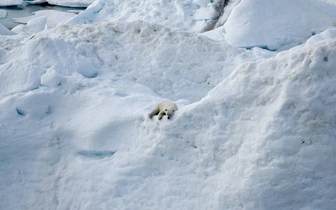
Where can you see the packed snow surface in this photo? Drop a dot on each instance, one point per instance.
(274, 24)
(193, 15)
(3, 13)
(10, 2)
(65, 3)
(267, 24)
(5, 31)
(41, 20)
(255, 128)
(71, 3)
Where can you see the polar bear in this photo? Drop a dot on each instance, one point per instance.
(165, 107)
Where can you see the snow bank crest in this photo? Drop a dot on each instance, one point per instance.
(187, 15)
(270, 24)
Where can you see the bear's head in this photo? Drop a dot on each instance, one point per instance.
(170, 112)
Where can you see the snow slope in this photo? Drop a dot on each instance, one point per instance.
(3, 13)
(123, 67)
(196, 15)
(10, 2)
(277, 25)
(255, 129)
(5, 31)
(286, 111)
(262, 23)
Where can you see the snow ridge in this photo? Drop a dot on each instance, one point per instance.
(255, 128)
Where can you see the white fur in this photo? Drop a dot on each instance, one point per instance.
(165, 107)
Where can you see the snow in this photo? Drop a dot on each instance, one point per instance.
(325, 35)
(3, 13)
(65, 3)
(286, 113)
(4, 30)
(10, 3)
(71, 3)
(206, 13)
(36, 1)
(255, 128)
(277, 25)
(246, 23)
(187, 15)
(41, 20)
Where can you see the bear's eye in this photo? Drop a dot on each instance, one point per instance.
(166, 109)
(173, 110)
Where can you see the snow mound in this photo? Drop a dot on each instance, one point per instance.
(285, 106)
(41, 20)
(247, 24)
(187, 15)
(34, 105)
(52, 79)
(40, 49)
(260, 139)
(277, 25)
(325, 35)
(171, 59)
(255, 129)
(33, 26)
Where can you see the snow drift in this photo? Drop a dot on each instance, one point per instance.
(255, 129)
(277, 25)
(197, 15)
(274, 25)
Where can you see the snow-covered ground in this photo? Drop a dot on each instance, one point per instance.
(71, 3)
(278, 24)
(65, 3)
(11, 17)
(3, 13)
(41, 20)
(255, 127)
(10, 2)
